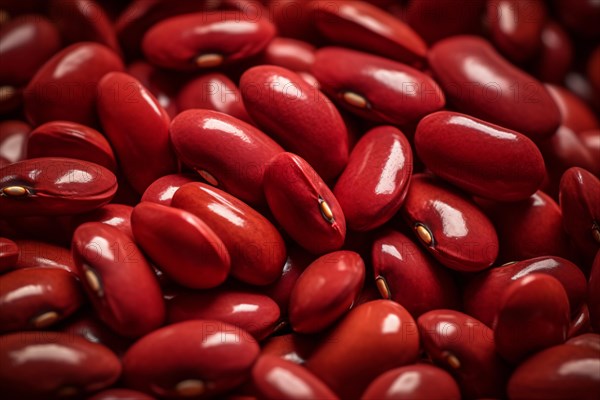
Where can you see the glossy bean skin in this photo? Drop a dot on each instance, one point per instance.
(163, 84)
(298, 116)
(594, 293)
(13, 140)
(229, 153)
(117, 215)
(560, 372)
(526, 108)
(279, 379)
(208, 356)
(71, 140)
(576, 114)
(183, 246)
(35, 298)
(465, 348)
(88, 326)
(54, 186)
(56, 92)
(392, 92)
(120, 394)
(580, 322)
(556, 54)
(296, 194)
(9, 254)
(458, 234)
(255, 313)
(482, 158)
(33, 254)
(49, 365)
(580, 16)
(325, 291)
(533, 315)
(180, 42)
(481, 296)
(407, 275)
(413, 382)
(110, 266)
(591, 340)
(364, 26)
(292, 347)
(161, 191)
(289, 53)
(213, 91)
(138, 128)
(256, 248)
(373, 338)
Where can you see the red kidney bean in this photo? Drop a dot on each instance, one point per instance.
(481, 158)
(580, 323)
(36, 298)
(413, 382)
(64, 88)
(213, 91)
(255, 313)
(33, 254)
(591, 141)
(555, 56)
(70, 140)
(405, 274)
(575, 113)
(580, 16)
(298, 116)
(560, 372)
(376, 88)
(138, 128)
(292, 54)
(225, 151)
(89, 327)
(9, 254)
(117, 215)
(186, 249)
(205, 40)
(292, 347)
(294, 19)
(594, 293)
(364, 26)
(13, 140)
(590, 340)
(325, 291)
(529, 228)
(278, 379)
(303, 204)
(195, 358)
(120, 394)
(533, 315)
(373, 338)
(26, 43)
(464, 347)
(593, 65)
(481, 295)
(44, 365)
(256, 248)
(117, 279)
(161, 191)
(478, 81)
(453, 229)
(54, 186)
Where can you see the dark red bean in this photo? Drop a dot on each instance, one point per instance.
(303, 204)
(195, 358)
(575, 113)
(13, 140)
(117, 215)
(594, 293)
(580, 16)
(555, 55)
(289, 53)
(34, 254)
(580, 322)
(54, 186)
(87, 325)
(161, 191)
(9, 254)
(591, 340)
(120, 394)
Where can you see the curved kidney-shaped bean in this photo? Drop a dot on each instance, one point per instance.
(117, 215)
(137, 127)
(464, 347)
(64, 88)
(376, 88)
(482, 294)
(225, 151)
(325, 291)
(120, 394)
(413, 382)
(194, 358)
(576, 114)
(35, 298)
(163, 84)
(292, 347)
(373, 338)
(406, 274)
(560, 372)
(480, 82)
(87, 325)
(213, 91)
(70, 140)
(161, 191)
(205, 40)
(9, 254)
(303, 204)
(527, 229)
(364, 26)
(118, 279)
(26, 43)
(256, 248)
(289, 53)
(533, 315)
(186, 249)
(580, 322)
(594, 293)
(555, 55)
(481, 158)
(54, 186)
(13, 140)
(255, 313)
(380, 165)
(590, 340)
(298, 116)
(47, 365)
(33, 254)
(278, 379)
(453, 229)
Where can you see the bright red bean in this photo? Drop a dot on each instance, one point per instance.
(161, 191)
(117, 215)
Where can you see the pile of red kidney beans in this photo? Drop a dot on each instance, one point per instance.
(285, 199)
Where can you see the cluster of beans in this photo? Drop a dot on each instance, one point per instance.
(287, 199)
